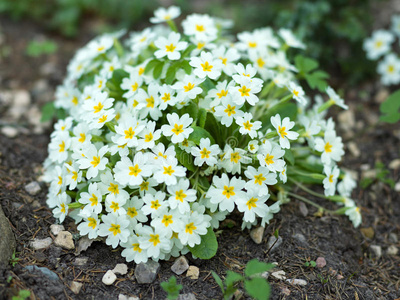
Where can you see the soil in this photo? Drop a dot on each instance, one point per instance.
(352, 271)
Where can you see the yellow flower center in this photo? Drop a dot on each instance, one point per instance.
(328, 147)
(113, 188)
(206, 67)
(180, 195)
(168, 170)
(103, 119)
(190, 227)
(252, 44)
(230, 110)
(223, 93)
(82, 137)
(378, 44)
(134, 86)
(244, 91)
(136, 247)
(114, 206)
(150, 102)
(178, 129)
(92, 222)
(330, 178)
(200, 45)
(155, 204)
(132, 212)
(224, 60)
(282, 131)
(252, 203)
(247, 125)
(200, 28)
(97, 108)
(166, 97)
(228, 191)
(75, 100)
(260, 62)
(148, 137)
(115, 229)
(259, 179)
(129, 133)
(63, 208)
(74, 175)
(155, 239)
(269, 159)
(296, 93)
(144, 186)
(94, 200)
(390, 69)
(189, 87)
(62, 147)
(95, 162)
(205, 153)
(235, 157)
(166, 220)
(135, 170)
(170, 48)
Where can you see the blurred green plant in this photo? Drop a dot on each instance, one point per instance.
(382, 175)
(64, 16)
(171, 288)
(38, 48)
(22, 295)
(390, 108)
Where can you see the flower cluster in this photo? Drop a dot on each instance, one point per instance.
(380, 46)
(167, 133)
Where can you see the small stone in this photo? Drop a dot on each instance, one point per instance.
(265, 275)
(83, 244)
(395, 164)
(45, 271)
(257, 234)
(193, 272)
(33, 188)
(20, 103)
(39, 244)
(392, 250)
(369, 173)
(339, 277)
(321, 262)
(279, 275)
(301, 282)
(189, 296)
(123, 297)
(303, 209)
(10, 132)
(376, 250)
(80, 261)
(36, 204)
(347, 119)
(121, 269)
(109, 278)
(397, 187)
(381, 95)
(146, 272)
(55, 229)
(353, 148)
(301, 238)
(76, 287)
(285, 291)
(180, 265)
(393, 238)
(368, 232)
(39, 256)
(274, 243)
(64, 240)
(238, 294)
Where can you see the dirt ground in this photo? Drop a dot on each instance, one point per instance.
(352, 270)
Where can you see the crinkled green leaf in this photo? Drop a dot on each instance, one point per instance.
(258, 288)
(208, 246)
(158, 69)
(218, 280)
(287, 109)
(201, 117)
(390, 108)
(171, 288)
(150, 65)
(171, 72)
(317, 80)
(191, 109)
(232, 277)
(198, 134)
(186, 66)
(185, 159)
(305, 64)
(256, 267)
(48, 112)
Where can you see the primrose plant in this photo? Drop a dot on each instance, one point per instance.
(168, 132)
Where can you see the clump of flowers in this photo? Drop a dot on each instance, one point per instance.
(167, 133)
(380, 46)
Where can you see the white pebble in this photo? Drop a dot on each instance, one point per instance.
(279, 275)
(38, 244)
(297, 281)
(10, 132)
(109, 278)
(55, 229)
(121, 269)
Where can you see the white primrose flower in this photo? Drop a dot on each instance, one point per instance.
(188, 87)
(194, 226)
(283, 129)
(89, 226)
(131, 85)
(149, 136)
(178, 127)
(131, 173)
(205, 153)
(167, 96)
(354, 215)
(133, 250)
(346, 186)
(220, 92)
(74, 176)
(200, 26)
(92, 159)
(115, 228)
(169, 220)
(154, 204)
(61, 210)
(248, 127)
(232, 159)
(165, 14)
(169, 171)
(246, 91)
(206, 65)
(252, 205)
(270, 156)
(127, 130)
(150, 102)
(181, 195)
(335, 98)
(253, 146)
(297, 92)
(290, 39)
(224, 192)
(228, 111)
(331, 147)
(332, 175)
(170, 46)
(228, 57)
(259, 179)
(134, 211)
(389, 69)
(154, 241)
(378, 44)
(59, 146)
(92, 199)
(100, 46)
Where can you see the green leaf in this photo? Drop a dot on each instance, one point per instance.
(48, 112)
(114, 83)
(256, 267)
(390, 108)
(214, 127)
(208, 246)
(191, 109)
(151, 65)
(158, 69)
(37, 48)
(171, 288)
(188, 50)
(218, 280)
(317, 80)
(201, 117)
(258, 288)
(289, 156)
(287, 109)
(185, 159)
(198, 134)
(305, 64)
(186, 66)
(232, 277)
(171, 72)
